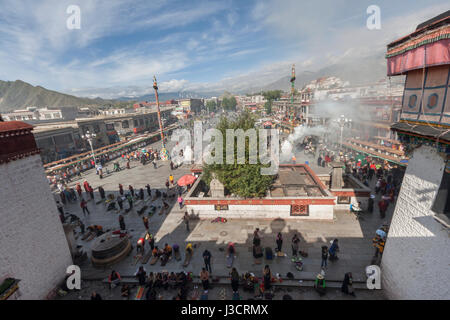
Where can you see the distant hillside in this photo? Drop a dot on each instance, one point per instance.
(358, 72)
(164, 96)
(19, 95)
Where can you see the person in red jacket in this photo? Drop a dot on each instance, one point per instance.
(91, 192)
(79, 191)
(83, 206)
(86, 186)
(382, 206)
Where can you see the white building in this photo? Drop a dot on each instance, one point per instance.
(33, 246)
(416, 258)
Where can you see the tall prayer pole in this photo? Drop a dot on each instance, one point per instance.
(292, 93)
(164, 153)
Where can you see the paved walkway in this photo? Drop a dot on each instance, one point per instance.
(354, 236)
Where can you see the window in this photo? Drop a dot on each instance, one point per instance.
(220, 207)
(343, 200)
(110, 126)
(125, 124)
(299, 210)
(432, 100)
(441, 205)
(412, 101)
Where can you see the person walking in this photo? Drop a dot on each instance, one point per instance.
(234, 280)
(186, 220)
(324, 257)
(256, 238)
(382, 207)
(79, 191)
(83, 206)
(207, 260)
(347, 285)
(151, 241)
(120, 202)
(180, 201)
(370, 203)
(122, 223)
(120, 189)
(145, 221)
(91, 192)
(279, 242)
(131, 190)
(149, 190)
(204, 277)
(295, 245)
(167, 184)
(102, 192)
(171, 180)
(130, 201)
(334, 248)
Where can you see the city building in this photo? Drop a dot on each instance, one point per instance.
(109, 129)
(415, 262)
(191, 105)
(33, 114)
(58, 141)
(34, 252)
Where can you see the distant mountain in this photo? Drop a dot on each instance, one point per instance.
(358, 72)
(164, 96)
(19, 95)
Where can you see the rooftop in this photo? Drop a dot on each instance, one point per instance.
(297, 181)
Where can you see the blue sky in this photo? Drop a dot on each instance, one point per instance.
(189, 45)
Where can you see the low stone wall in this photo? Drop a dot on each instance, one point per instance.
(207, 211)
(359, 193)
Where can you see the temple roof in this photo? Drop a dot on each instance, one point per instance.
(428, 45)
(431, 24)
(14, 126)
(433, 132)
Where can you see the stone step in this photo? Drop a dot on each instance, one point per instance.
(285, 282)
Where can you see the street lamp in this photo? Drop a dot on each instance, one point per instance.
(89, 137)
(343, 121)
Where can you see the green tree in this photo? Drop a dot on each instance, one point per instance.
(244, 180)
(268, 106)
(272, 94)
(211, 105)
(229, 103)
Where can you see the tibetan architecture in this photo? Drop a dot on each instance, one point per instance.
(34, 253)
(297, 193)
(415, 263)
